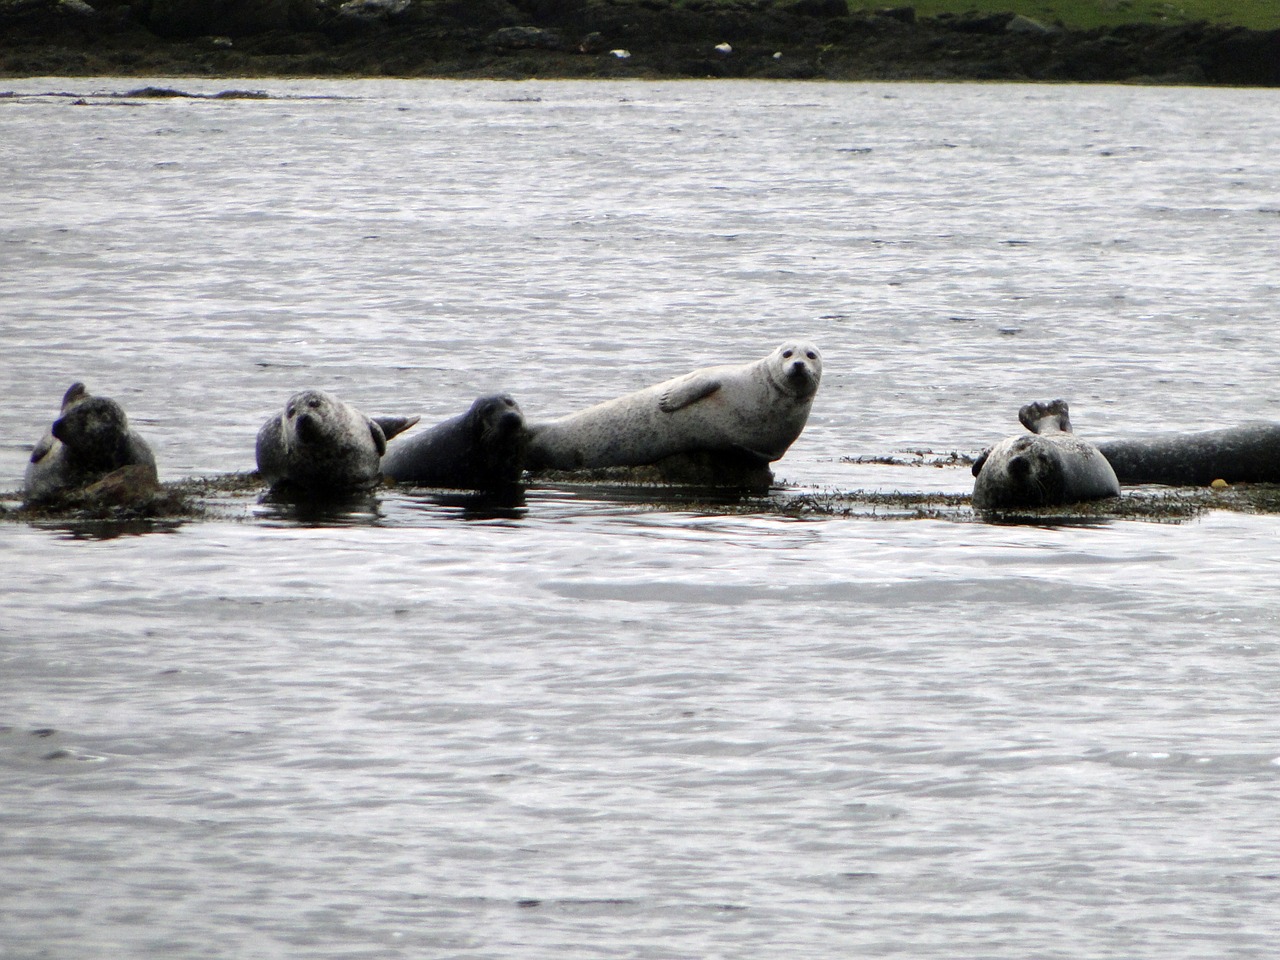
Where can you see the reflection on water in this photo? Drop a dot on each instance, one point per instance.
(109, 529)
(347, 509)
(506, 503)
(623, 720)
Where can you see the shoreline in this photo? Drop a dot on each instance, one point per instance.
(629, 39)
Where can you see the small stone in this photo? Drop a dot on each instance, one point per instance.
(1021, 24)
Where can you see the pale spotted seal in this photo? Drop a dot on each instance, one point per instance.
(479, 450)
(90, 439)
(1048, 467)
(320, 445)
(754, 410)
(1244, 454)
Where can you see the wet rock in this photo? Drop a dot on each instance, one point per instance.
(703, 469)
(130, 492)
(373, 10)
(594, 42)
(64, 9)
(133, 486)
(1021, 24)
(527, 38)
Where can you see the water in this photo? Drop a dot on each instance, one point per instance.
(598, 725)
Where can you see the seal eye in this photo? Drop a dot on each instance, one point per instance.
(786, 354)
(313, 403)
(811, 355)
(291, 411)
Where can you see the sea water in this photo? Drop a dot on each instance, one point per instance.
(610, 723)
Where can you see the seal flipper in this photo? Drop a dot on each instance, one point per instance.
(982, 458)
(75, 393)
(686, 391)
(379, 438)
(1053, 415)
(391, 426)
(42, 448)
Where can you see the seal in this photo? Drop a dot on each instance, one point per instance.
(90, 439)
(1244, 454)
(1050, 467)
(320, 445)
(481, 449)
(753, 411)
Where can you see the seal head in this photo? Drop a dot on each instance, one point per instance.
(481, 449)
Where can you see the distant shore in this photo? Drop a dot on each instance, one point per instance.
(799, 39)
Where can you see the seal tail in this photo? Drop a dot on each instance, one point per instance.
(1033, 416)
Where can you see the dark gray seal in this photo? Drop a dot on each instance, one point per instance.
(90, 439)
(754, 410)
(1244, 454)
(1048, 467)
(481, 449)
(320, 445)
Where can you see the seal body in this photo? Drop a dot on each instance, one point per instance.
(320, 445)
(1245, 454)
(755, 410)
(1048, 467)
(481, 449)
(90, 439)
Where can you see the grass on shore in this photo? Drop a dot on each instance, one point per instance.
(1085, 14)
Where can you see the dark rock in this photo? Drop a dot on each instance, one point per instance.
(558, 12)
(195, 18)
(900, 14)
(132, 486)
(818, 8)
(594, 42)
(28, 9)
(1242, 56)
(486, 15)
(1021, 24)
(373, 11)
(976, 22)
(527, 38)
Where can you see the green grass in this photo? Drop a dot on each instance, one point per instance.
(1083, 14)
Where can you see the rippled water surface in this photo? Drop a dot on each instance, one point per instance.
(603, 723)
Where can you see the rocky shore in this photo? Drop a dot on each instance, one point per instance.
(781, 39)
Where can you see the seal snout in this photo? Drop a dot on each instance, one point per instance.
(307, 427)
(502, 416)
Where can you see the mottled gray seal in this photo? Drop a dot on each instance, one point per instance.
(1244, 454)
(90, 439)
(479, 450)
(321, 445)
(1049, 467)
(755, 410)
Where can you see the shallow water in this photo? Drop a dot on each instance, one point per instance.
(608, 724)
